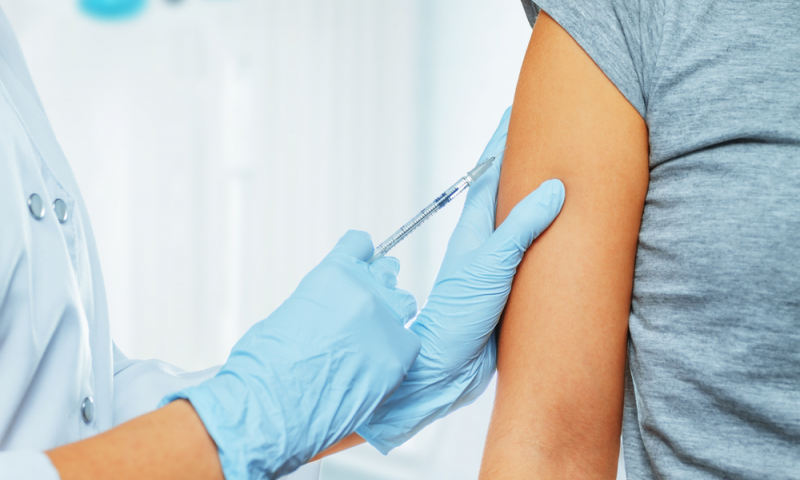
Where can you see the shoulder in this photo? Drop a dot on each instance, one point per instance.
(613, 33)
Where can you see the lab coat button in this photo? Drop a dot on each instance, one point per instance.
(36, 206)
(60, 206)
(87, 409)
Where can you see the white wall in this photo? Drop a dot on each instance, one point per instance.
(224, 146)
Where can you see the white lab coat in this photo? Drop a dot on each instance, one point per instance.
(55, 345)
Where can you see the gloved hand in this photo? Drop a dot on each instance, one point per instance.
(458, 355)
(308, 375)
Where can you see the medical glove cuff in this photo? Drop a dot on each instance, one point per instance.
(236, 431)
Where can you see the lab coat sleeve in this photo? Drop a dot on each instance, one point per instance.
(140, 384)
(26, 465)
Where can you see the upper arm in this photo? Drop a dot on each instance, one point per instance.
(561, 358)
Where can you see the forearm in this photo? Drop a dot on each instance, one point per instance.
(350, 441)
(169, 443)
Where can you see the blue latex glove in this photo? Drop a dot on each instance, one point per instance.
(458, 356)
(308, 375)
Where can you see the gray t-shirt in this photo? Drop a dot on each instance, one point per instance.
(713, 388)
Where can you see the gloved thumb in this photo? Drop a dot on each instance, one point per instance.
(527, 221)
(354, 243)
(385, 270)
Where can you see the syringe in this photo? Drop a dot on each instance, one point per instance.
(434, 207)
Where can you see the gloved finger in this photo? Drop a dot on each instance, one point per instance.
(495, 148)
(476, 223)
(385, 270)
(498, 140)
(527, 221)
(480, 206)
(402, 302)
(354, 243)
(484, 191)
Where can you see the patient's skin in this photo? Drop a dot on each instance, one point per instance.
(563, 340)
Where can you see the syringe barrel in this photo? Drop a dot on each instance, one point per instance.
(434, 207)
(421, 217)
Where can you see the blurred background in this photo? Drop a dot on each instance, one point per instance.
(224, 146)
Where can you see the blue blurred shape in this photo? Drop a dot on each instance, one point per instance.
(112, 9)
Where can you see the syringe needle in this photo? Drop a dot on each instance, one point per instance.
(427, 212)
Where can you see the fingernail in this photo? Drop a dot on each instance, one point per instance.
(555, 192)
(395, 264)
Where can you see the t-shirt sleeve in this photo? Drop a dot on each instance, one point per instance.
(608, 31)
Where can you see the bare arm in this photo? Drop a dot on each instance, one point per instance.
(350, 441)
(169, 443)
(563, 340)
